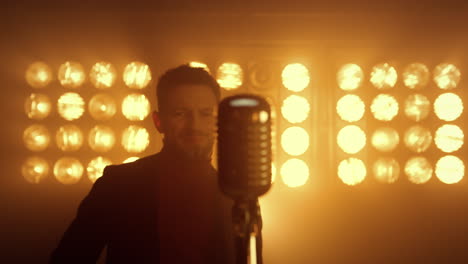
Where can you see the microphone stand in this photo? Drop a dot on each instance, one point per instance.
(247, 229)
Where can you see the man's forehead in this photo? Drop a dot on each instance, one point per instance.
(191, 96)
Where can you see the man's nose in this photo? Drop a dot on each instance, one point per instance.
(196, 122)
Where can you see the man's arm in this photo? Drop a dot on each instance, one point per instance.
(87, 235)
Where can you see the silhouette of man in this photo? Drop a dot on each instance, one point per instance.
(164, 208)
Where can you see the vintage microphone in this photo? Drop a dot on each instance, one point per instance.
(244, 164)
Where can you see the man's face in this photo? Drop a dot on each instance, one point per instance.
(188, 122)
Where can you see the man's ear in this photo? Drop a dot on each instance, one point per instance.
(157, 122)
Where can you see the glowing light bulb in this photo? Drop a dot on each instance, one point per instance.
(135, 139)
(450, 169)
(449, 138)
(446, 76)
(102, 107)
(385, 139)
(68, 170)
(101, 138)
(384, 107)
(37, 106)
(350, 77)
(383, 76)
(448, 106)
(70, 106)
(36, 137)
(137, 75)
(416, 76)
(357, 135)
(352, 171)
(71, 74)
(350, 108)
(103, 75)
(417, 107)
(418, 170)
(135, 107)
(294, 173)
(295, 109)
(96, 167)
(69, 138)
(418, 138)
(386, 170)
(38, 75)
(35, 170)
(295, 141)
(230, 76)
(295, 77)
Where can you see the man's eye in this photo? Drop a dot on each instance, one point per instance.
(179, 114)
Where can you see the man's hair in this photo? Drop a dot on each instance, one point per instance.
(182, 75)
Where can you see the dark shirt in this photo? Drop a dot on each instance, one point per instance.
(158, 209)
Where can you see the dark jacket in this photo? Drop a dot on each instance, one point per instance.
(149, 211)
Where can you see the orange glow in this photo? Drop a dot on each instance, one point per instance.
(71, 74)
(417, 107)
(449, 138)
(350, 77)
(295, 109)
(385, 139)
(103, 75)
(448, 106)
(37, 106)
(446, 76)
(295, 141)
(70, 106)
(130, 159)
(96, 167)
(295, 77)
(137, 75)
(352, 171)
(135, 139)
(416, 76)
(197, 64)
(69, 138)
(35, 169)
(418, 170)
(383, 76)
(102, 107)
(38, 75)
(68, 170)
(36, 137)
(418, 138)
(350, 108)
(384, 107)
(135, 107)
(230, 76)
(101, 138)
(450, 169)
(294, 173)
(386, 170)
(357, 135)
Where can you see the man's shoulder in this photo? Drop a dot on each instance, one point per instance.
(132, 170)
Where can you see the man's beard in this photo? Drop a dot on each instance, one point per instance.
(196, 152)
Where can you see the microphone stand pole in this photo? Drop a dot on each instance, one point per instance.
(247, 229)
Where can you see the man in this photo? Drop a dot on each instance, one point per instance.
(164, 208)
